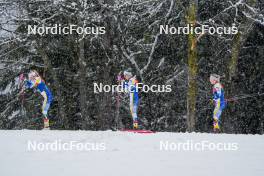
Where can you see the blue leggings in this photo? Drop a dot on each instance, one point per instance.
(133, 110)
(218, 111)
(46, 107)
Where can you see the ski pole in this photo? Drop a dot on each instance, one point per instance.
(21, 93)
(244, 97)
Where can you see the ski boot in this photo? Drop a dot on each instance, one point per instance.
(216, 126)
(135, 124)
(46, 123)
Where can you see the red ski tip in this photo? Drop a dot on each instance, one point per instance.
(138, 131)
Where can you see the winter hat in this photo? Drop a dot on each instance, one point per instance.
(214, 77)
(128, 72)
(33, 74)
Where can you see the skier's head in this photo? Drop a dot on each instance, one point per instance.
(214, 78)
(32, 74)
(128, 74)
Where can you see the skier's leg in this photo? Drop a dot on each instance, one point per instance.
(45, 108)
(134, 115)
(44, 104)
(216, 117)
(133, 108)
(45, 113)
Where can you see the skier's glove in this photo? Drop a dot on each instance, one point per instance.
(211, 101)
(120, 78)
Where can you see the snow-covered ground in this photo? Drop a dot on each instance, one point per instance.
(108, 153)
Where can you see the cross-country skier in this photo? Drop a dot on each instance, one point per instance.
(218, 98)
(35, 81)
(130, 82)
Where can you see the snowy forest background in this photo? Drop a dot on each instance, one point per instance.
(70, 64)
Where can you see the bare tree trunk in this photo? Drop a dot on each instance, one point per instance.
(106, 119)
(192, 71)
(82, 85)
(237, 43)
(234, 56)
(118, 121)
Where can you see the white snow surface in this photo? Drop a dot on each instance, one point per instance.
(128, 154)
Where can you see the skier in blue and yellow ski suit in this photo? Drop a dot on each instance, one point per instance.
(218, 98)
(130, 85)
(35, 81)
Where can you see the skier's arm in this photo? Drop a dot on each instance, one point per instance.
(121, 80)
(28, 84)
(125, 85)
(217, 94)
(134, 86)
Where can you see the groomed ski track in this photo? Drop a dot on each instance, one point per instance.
(128, 154)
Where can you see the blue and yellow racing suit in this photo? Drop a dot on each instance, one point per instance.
(131, 87)
(219, 100)
(42, 88)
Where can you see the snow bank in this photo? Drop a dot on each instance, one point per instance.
(129, 154)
